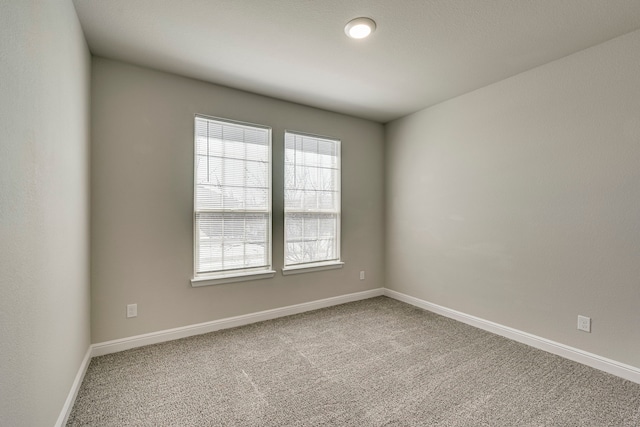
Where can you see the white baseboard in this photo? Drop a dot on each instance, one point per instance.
(622, 370)
(201, 328)
(75, 387)
(114, 346)
(613, 367)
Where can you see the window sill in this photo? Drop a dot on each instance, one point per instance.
(309, 268)
(231, 278)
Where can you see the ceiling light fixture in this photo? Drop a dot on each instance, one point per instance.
(360, 28)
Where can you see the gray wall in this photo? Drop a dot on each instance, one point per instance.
(520, 202)
(44, 208)
(142, 201)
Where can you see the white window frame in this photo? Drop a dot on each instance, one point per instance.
(326, 264)
(237, 275)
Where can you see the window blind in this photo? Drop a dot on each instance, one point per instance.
(311, 199)
(232, 200)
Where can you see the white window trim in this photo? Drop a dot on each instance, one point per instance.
(311, 267)
(320, 265)
(218, 278)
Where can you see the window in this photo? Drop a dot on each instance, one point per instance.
(311, 202)
(232, 201)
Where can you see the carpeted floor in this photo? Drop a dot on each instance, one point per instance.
(377, 362)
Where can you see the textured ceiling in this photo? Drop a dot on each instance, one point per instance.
(423, 51)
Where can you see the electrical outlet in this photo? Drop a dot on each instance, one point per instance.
(584, 323)
(132, 310)
(362, 275)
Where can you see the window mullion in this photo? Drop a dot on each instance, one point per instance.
(318, 186)
(244, 217)
(223, 219)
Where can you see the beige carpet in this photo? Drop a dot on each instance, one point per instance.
(377, 362)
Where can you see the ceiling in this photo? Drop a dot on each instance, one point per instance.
(423, 51)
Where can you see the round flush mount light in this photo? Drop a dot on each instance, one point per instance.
(360, 28)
